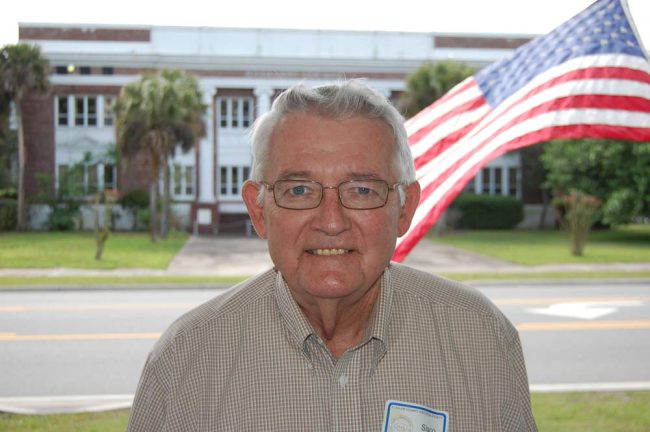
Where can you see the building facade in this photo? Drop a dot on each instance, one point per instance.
(239, 72)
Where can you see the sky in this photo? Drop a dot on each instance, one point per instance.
(467, 16)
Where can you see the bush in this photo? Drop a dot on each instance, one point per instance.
(488, 211)
(62, 218)
(8, 215)
(137, 198)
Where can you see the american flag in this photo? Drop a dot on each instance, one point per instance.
(588, 78)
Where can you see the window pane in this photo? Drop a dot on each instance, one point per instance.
(512, 181)
(189, 180)
(109, 177)
(223, 113)
(223, 180)
(108, 111)
(247, 173)
(497, 181)
(92, 184)
(107, 70)
(234, 182)
(62, 111)
(246, 112)
(177, 179)
(486, 180)
(235, 113)
(84, 70)
(92, 111)
(79, 111)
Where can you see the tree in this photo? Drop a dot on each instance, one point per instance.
(23, 69)
(429, 83)
(615, 172)
(155, 115)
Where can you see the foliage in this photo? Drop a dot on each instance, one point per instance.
(8, 215)
(429, 83)
(616, 172)
(23, 69)
(488, 211)
(156, 115)
(576, 214)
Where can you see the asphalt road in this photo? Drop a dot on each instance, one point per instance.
(587, 335)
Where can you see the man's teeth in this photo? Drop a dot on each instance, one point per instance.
(329, 252)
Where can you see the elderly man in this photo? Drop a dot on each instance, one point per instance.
(335, 337)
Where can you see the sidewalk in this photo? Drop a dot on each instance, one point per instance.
(245, 256)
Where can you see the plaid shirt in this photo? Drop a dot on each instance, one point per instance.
(249, 360)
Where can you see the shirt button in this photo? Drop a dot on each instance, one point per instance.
(343, 380)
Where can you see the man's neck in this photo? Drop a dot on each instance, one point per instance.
(340, 324)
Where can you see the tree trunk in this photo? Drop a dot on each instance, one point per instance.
(153, 217)
(164, 224)
(21, 224)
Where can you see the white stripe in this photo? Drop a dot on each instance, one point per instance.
(590, 387)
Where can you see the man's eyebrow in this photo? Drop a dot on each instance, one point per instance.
(294, 174)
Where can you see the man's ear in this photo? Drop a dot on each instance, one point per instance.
(250, 192)
(407, 211)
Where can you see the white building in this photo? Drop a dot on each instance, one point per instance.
(239, 72)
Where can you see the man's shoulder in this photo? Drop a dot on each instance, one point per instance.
(231, 305)
(438, 291)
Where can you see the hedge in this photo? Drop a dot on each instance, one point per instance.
(488, 211)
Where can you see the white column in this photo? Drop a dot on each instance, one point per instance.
(263, 95)
(206, 162)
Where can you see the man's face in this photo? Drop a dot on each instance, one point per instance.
(330, 251)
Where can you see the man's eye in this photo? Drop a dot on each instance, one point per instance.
(363, 190)
(298, 190)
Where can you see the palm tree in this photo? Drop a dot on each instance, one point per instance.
(429, 83)
(155, 115)
(22, 69)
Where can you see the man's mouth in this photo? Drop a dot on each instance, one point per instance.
(328, 252)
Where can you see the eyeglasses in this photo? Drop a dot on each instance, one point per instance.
(308, 194)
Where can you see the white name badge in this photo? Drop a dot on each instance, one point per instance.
(408, 417)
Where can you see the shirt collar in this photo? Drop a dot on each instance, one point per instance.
(299, 329)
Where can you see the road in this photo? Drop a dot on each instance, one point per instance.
(63, 343)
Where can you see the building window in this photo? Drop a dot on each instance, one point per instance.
(91, 105)
(87, 179)
(487, 180)
(182, 180)
(62, 110)
(85, 111)
(107, 70)
(513, 181)
(231, 179)
(235, 112)
(84, 70)
(61, 70)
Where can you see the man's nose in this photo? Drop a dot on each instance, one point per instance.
(331, 215)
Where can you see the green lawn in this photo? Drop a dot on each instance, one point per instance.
(566, 412)
(77, 250)
(623, 245)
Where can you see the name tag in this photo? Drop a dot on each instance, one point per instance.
(408, 417)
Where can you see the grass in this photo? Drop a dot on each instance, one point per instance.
(623, 245)
(77, 250)
(566, 412)
(592, 412)
(86, 281)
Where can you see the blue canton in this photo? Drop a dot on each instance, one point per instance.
(602, 28)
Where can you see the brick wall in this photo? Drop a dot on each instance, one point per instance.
(38, 123)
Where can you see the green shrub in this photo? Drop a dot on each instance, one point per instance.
(137, 198)
(61, 218)
(8, 215)
(488, 211)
